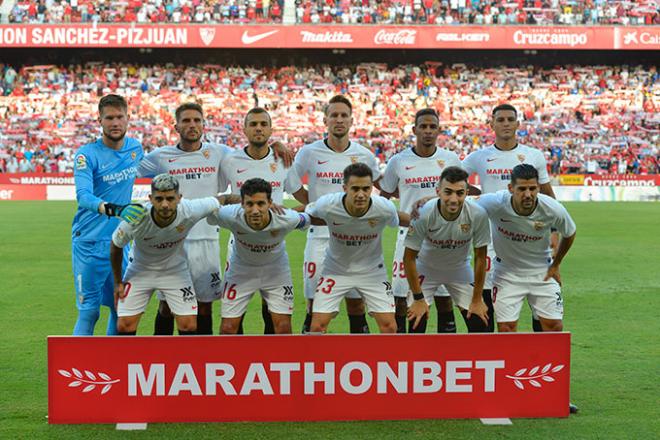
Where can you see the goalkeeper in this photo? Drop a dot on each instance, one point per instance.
(104, 172)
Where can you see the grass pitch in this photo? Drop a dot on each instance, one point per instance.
(611, 293)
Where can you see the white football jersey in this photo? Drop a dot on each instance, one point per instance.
(198, 173)
(416, 177)
(325, 169)
(355, 242)
(238, 167)
(522, 243)
(445, 246)
(263, 247)
(161, 249)
(494, 166)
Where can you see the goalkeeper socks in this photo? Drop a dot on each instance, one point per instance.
(421, 325)
(112, 322)
(307, 324)
(187, 332)
(400, 323)
(164, 325)
(86, 322)
(488, 299)
(536, 325)
(133, 333)
(269, 327)
(204, 324)
(358, 323)
(446, 322)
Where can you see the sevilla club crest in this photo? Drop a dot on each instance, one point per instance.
(465, 228)
(273, 167)
(441, 163)
(207, 35)
(521, 158)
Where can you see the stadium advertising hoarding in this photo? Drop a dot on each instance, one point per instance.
(329, 377)
(324, 36)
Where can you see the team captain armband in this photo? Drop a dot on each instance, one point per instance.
(302, 221)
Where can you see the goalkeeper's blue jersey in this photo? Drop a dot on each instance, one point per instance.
(103, 175)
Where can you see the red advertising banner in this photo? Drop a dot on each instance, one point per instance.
(22, 192)
(621, 180)
(330, 36)
(45, 179)
(328, 377)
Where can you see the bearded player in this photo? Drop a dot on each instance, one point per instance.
(415, 173)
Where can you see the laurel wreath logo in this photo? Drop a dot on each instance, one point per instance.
(92, 381)
(531, 377)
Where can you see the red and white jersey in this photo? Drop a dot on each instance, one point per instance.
(238, 166)
(445, 246)
(161, 249)
(355, 242)
(325, 169)
(198, 173)
(416, 177)
(494, 166)
(522, 243)
(258, 247)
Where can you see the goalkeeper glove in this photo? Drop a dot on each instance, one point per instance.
(132, 213)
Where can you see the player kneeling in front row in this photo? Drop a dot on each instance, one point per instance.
(522, 220)
(159, 261)
(354, 258)
(437, 253)
(258, 260)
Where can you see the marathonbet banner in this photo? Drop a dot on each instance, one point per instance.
(298, 378)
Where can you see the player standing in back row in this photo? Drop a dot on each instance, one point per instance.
(324, 162)
(494, 164)
(415, 173)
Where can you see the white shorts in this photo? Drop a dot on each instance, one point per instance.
(544, 297)
(460, 293)
(273, 281)
(399, 280)
(374, 288)
(313, 265)
(176, 287)
(204, 263)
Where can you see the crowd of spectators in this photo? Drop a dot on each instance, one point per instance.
(442, 12)
(596, 119)
(147, 11)
(541, 12)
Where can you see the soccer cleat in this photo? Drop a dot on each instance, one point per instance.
(572, 408)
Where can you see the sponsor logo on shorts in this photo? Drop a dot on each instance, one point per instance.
(188, 295)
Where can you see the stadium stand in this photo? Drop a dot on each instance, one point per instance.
(497, 12)
(588, 119)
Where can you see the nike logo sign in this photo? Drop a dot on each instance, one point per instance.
(249, 39)
(105, 166)
(490, 160)
(337, 224)
(148, 238)
(241, 171)
(172, 160)
(505, 221)
(410, 168)
(321, 162)
(434, 230)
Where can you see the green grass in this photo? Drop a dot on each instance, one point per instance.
(612, 294)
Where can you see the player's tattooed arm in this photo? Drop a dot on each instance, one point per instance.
(116, 260)
(414, 214)
(473, 190)
(301, 195)
(229, 199)
(564, 245)
(404, 218)
(418, 309)
(477, 305)
(282, 152)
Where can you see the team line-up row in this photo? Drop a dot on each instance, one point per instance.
(175, 236)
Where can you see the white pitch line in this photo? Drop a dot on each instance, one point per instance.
(131, 426)
(502, 421)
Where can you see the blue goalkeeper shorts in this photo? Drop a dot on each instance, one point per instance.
(92, 274)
